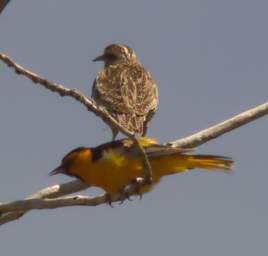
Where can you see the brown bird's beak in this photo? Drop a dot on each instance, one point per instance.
(99, 58)
(58, 170)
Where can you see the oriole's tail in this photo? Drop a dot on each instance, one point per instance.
(181, 162)
(210, 162)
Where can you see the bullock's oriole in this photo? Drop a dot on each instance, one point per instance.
(114, 165)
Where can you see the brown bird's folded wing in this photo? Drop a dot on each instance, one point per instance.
(128, 93)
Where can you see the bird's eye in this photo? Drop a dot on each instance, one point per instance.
(111, 56)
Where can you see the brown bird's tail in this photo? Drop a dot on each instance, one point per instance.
(132, 122)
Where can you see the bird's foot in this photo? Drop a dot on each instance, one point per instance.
(137, 187)
(136, 190)
(124, 194)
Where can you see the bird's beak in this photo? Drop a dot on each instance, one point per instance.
(99, 58)
(58, 170)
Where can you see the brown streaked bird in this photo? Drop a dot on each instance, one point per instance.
(125, 89)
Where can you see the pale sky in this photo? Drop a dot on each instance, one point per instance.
(210, 61)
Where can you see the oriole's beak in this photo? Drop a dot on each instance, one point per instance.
(99, 58)
(58, 170)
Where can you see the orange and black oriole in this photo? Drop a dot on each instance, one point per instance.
(114, 165)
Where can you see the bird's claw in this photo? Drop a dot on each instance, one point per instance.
(124, 195)
(137, 187)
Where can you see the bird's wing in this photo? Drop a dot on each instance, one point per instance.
(152, 147)
(126, 89)
(140, 90)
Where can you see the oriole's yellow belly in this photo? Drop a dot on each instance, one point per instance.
(113, 176)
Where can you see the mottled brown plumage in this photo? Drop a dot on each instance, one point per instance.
(125, 89)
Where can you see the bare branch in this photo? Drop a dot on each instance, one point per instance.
(49, 192)
(36, 203)
(42, 200)
(59, 190)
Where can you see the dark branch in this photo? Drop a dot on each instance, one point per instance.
(3, 4)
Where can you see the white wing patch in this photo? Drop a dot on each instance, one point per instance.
(114, 158)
